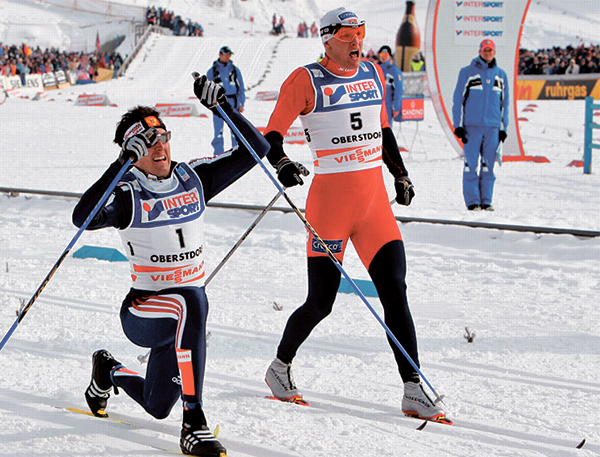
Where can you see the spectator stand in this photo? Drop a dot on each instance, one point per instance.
(25, 71)
(168, 20)
(559, 61)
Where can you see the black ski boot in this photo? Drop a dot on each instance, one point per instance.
(196, 437)
(98, 392)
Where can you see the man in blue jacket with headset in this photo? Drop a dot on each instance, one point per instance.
(480, 115)
(225, 73)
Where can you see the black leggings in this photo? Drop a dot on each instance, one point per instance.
(388, 271)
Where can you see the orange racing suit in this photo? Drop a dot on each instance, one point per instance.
(345, 122)
(343, 117)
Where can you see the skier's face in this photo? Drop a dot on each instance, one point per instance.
(158, 160)
(345, 53)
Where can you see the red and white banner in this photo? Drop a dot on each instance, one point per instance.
(267, 95)
(294, 135)
(41, 96)
(413, 109)
(92, 100)
(177, 109)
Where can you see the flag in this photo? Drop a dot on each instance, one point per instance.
(97, 41)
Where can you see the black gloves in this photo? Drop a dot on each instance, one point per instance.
(461, 134)
(136, 147)
(405, 191)
(208, 92)
(502, 135)
(289, 173)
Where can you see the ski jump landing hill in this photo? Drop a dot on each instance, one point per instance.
(168, 61)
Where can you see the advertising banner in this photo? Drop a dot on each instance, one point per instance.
(176, 109)
(34, 82)
(557, 88)
(413, 109)
(294, 135)
(92, 100)
(49, 81)
(454, 30)
(267, 95)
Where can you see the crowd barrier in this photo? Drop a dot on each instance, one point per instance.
(52, 80)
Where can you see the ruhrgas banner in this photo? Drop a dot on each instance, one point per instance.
(454, 30)
(558, 87)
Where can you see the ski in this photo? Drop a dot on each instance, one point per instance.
(446, 421)
(89, 413)
(439, 420)
(128, 424)
(295, 400)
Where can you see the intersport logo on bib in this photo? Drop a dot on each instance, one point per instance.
(171, 207)
(350, 93)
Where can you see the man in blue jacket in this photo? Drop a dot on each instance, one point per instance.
(225, 73)
(480, 115)
(394, 86)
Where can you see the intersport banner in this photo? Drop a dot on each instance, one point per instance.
(454, 30)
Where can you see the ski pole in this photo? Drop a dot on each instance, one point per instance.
(242, 238)
(62, 257)
(325, 247)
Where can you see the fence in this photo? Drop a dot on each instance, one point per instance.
(588, 143)
(142, 33)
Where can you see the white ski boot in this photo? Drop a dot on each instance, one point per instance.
(416, 403)
(280, 381)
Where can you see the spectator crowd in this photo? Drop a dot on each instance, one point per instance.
(24, 60)
(560, 61)
(278, 25)
(167, 19)
(304, 30)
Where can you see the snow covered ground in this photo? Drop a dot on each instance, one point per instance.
(526, 386)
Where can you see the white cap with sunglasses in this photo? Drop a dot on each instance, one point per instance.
(332, 22)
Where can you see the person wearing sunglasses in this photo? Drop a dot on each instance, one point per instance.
(340, 101)
(158, 208)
